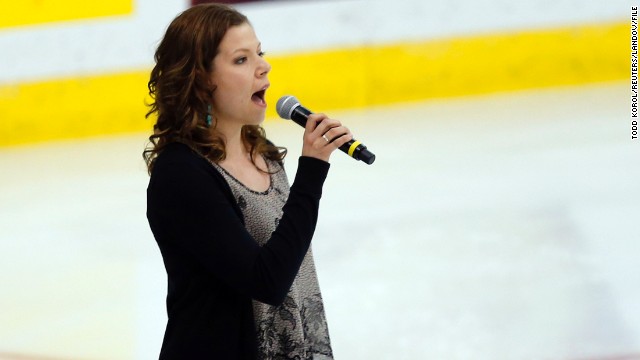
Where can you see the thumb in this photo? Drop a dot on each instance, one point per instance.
(313, 121)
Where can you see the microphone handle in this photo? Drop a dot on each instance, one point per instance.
(353, 147)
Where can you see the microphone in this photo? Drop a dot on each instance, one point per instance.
(289, 108)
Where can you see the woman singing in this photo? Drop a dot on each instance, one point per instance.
(234, 236)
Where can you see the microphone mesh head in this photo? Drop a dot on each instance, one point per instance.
(285, 106)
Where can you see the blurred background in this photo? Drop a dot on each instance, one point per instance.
(499, 221)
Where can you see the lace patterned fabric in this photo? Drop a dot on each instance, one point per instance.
(297, 329)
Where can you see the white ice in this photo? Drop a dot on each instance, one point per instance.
(490, 227)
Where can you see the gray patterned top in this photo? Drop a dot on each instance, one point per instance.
(297, 329)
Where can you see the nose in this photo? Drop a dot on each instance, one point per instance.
(263, 68)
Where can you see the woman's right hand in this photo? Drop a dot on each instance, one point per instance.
(322, 136)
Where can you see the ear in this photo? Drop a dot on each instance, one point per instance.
(212, 88)
(211, 85)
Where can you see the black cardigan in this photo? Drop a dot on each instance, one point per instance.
(214, 267)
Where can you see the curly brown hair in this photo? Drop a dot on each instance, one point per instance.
(180, 89)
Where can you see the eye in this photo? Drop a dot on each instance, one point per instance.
(241, 60)
(261, 53)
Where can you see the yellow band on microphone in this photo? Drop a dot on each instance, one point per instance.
(353, 147)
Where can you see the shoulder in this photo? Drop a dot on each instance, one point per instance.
(179, 164)
(182, 179)
(182, 175)
(177, 153)
(177, 156)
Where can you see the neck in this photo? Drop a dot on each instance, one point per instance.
(234, 146)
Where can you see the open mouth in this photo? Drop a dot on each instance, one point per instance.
(258, 97)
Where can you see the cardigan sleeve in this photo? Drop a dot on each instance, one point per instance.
(187, 206)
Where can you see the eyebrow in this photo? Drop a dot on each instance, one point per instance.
(245, 49)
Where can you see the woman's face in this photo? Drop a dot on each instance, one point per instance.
(240, 78)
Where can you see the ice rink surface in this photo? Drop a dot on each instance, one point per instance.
(490, 227)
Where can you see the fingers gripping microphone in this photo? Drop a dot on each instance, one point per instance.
(289, 108)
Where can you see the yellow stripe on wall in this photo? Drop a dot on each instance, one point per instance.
(30, 12)
(454, 67)
(338, 79)
(73, 108)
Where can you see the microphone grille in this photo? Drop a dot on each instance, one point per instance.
(285, 106)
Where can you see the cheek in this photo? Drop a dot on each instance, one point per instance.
(231, 84)
(228, 99)
(233, 89)
(226, 96)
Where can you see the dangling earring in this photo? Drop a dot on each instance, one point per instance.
(209, 115)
